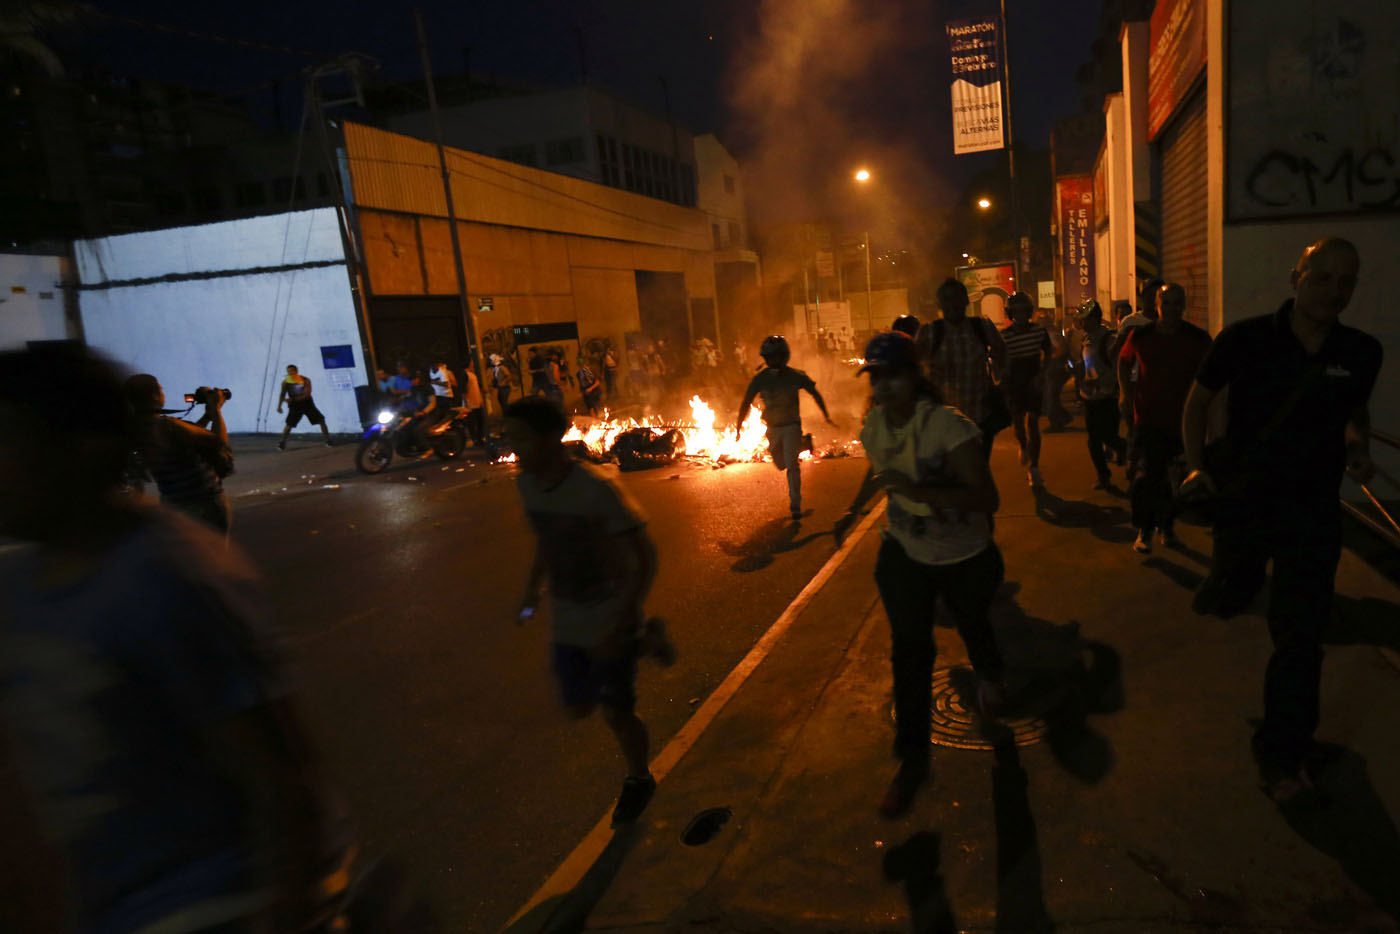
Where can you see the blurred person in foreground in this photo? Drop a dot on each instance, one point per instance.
(137, 687)
(937, 543)
(1299, 383)
(187, 462)
(593, 551)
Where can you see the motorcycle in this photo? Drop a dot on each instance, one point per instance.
(395, 434)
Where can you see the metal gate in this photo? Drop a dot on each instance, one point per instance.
(1184, 218)
(419, 332)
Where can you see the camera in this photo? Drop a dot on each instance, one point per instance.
(204, 395)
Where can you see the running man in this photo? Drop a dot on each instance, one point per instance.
(777, 384)
(296, 392)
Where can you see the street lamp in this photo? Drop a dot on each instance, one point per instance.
(984, 203)
(863, 176)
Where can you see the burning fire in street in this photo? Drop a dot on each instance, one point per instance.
(702, 438)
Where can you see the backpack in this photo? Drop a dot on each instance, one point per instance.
(586, 379)
(937, 330)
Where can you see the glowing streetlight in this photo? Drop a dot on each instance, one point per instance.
(984, 203)
(863, 175)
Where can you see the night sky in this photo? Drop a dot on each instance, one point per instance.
(800, 90)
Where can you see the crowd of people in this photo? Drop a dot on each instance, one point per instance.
(138, 681)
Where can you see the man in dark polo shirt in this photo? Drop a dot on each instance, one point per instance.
(1166, 353)
(1319, 374)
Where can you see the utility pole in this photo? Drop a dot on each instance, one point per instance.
(869, 315)
(1023, 257)
(473, 348)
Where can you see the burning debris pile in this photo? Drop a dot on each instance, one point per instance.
(636, 445)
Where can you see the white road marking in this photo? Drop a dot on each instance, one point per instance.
(567, 876)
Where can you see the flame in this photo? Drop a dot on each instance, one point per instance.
(702, 438)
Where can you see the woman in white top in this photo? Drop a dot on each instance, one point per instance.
(938, 543)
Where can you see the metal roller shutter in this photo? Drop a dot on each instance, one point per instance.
(1184, 226)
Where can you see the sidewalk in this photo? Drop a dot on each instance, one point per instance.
(1127, 802)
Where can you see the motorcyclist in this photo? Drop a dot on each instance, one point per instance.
(420, 405)
(778, 385)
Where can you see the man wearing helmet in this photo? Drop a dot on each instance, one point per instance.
(778, 384)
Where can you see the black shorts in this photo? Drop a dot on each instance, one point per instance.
(295, 411)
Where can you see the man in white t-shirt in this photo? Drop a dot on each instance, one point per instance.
(938, 543)
(593, 549)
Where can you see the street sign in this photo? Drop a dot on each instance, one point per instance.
(1045, 294)
(485, 303)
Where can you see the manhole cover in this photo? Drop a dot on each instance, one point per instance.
(955, 725)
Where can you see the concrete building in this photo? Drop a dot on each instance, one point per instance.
(581, 132)
(1249, 143)
(548, 258)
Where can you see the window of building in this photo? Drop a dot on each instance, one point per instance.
(563, 151)
(249, 194)
(714, 231)
(735, 238)
(729, 184)
(523, 154)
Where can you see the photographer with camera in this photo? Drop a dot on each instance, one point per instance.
(187, 462)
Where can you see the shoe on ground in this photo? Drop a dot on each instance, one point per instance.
(1143, 545)
(636, 795)
(281, 445)
(899, 797)
(1034, 478)
(330, 443)
(656, 644)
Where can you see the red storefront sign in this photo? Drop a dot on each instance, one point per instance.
(1074, 210)
(1176, 56)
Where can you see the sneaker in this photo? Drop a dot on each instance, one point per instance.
(330, 443)
(656, 644)
(1034, 478)
(905, 784)
(636, 795)
(1143, 545)
(281, 445)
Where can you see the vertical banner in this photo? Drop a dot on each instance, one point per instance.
(1074, 206)
(975, 45)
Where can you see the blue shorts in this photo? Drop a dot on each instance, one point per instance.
(586, 680)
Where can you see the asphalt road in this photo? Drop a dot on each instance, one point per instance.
(437, 713)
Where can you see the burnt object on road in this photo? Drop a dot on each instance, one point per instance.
(644, 448)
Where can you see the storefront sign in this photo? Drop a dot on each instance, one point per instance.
(545, 333)
(988, 287)
(1177, 55)
(975, 45)
(1313, 118)
(1074, 206)
(1045, 294)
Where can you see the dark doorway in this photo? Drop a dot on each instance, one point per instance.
(418, 331)
(662, 307)
(702, 318)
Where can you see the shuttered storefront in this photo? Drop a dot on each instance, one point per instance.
(1184, 219)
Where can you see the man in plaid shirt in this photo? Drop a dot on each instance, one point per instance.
(955, 351)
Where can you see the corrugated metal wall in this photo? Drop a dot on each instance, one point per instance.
(1184, 219)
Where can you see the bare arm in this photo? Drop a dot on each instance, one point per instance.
(1195, 418)
(745, 405)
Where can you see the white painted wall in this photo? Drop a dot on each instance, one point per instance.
(237, 331)
(31, 300)
(1122, 275)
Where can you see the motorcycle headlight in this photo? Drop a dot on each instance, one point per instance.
(385, 417)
